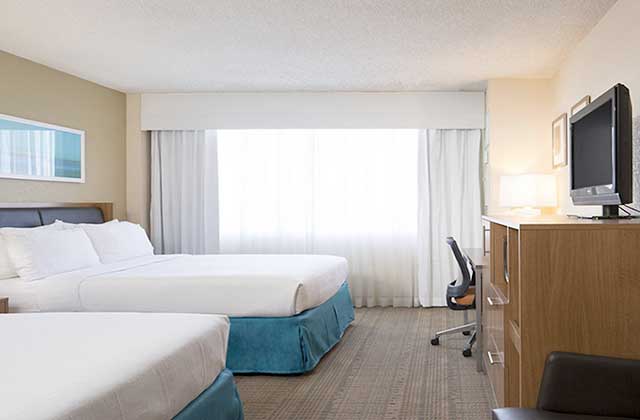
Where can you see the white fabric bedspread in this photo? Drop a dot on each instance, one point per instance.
(234, 285)
(76, 366)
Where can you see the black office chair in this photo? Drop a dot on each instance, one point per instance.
(461, 297)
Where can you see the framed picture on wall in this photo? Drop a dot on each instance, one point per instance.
(559, 141)
(40, 151)
(580, 104)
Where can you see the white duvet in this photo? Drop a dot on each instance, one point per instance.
(77, 366)
(234, 285)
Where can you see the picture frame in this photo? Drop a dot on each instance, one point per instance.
(38, 151)
(559, 141)
(580, 104)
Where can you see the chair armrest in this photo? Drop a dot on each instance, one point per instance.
(591, 385)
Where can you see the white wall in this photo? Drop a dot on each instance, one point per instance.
(138, 165)
(36, 92)
(518, 129)
(607, 55)
(312, 110)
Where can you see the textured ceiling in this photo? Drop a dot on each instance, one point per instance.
(286, 45)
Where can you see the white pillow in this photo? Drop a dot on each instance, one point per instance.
(7, 270)
(68, 225)
(42, 253)
(118, 241)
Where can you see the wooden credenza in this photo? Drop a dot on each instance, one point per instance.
(556, 284)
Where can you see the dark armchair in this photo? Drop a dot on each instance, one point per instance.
(576, 386)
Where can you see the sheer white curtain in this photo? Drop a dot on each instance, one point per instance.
(351, 193)
(449, 205)
(184, 192)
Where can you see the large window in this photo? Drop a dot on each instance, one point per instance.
(342, 192)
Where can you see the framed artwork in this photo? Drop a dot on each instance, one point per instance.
(40, 151)
(580, 104)
(559, 141)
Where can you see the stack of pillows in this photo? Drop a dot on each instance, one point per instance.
(36, 253)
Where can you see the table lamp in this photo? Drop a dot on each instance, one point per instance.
(526, 194)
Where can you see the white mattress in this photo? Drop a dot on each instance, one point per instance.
(107, 366)
(234, 285)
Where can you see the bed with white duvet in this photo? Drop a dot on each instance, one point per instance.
(115, 366)
(234, 285)
(286, 310)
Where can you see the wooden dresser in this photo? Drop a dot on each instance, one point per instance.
(556, 283)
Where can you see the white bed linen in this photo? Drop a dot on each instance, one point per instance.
(21, 294)
(76, 366)
(234, 285)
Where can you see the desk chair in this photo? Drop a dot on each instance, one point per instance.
(461, 297)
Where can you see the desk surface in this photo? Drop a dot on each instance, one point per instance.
(477, 255)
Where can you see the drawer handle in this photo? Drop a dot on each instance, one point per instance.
(505, 259)
(494, 358)
(495, 302)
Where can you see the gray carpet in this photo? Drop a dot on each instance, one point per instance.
(384, 368)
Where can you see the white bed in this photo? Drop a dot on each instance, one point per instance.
(234, 285)
(107, 366)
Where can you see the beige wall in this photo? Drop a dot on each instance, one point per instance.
(36, 92)
(138, 164)
(606, 56)
(518, 130)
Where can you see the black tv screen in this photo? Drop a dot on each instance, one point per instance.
(592, 148)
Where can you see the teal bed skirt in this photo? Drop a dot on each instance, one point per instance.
(218, 402)
(289, 345)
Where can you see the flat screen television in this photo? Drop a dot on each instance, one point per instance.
(601, 152)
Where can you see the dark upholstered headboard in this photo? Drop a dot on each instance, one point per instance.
(38, 214)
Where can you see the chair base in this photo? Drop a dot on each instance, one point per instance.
(466, 328)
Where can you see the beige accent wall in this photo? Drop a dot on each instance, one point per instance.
(606, 56)
(32, 91)
(138, 164)
(518, 131)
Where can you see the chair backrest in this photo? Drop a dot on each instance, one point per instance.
(466, 268)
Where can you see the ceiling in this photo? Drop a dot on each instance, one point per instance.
(297, 45)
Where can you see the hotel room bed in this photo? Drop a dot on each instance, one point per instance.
(116, 365)
(286, 311)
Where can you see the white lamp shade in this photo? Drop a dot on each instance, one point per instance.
(530, 190)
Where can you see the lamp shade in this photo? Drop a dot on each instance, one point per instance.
(530, 190)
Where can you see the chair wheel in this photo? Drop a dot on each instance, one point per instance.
(435, 341)
(466, 352)
(466, 332)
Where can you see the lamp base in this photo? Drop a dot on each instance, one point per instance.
(526, 211)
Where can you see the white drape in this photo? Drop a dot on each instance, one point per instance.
(184, 192)
(449, 205)
(351, 193)
(28, 152)
(384, 199)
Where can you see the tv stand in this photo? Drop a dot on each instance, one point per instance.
(608, 212)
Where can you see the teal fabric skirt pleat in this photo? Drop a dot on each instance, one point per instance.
(289, 345)
(218, 402)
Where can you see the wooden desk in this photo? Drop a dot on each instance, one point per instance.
(556, 284)
(480, 263)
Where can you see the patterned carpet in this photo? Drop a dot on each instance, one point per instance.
(384, 368)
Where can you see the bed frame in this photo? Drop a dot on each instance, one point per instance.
(38, 214)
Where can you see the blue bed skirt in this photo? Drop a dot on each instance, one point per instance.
(289, 345)
(218, 402)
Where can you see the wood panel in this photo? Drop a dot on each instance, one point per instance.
(499, 240)
(4, 305)
(580, 292)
